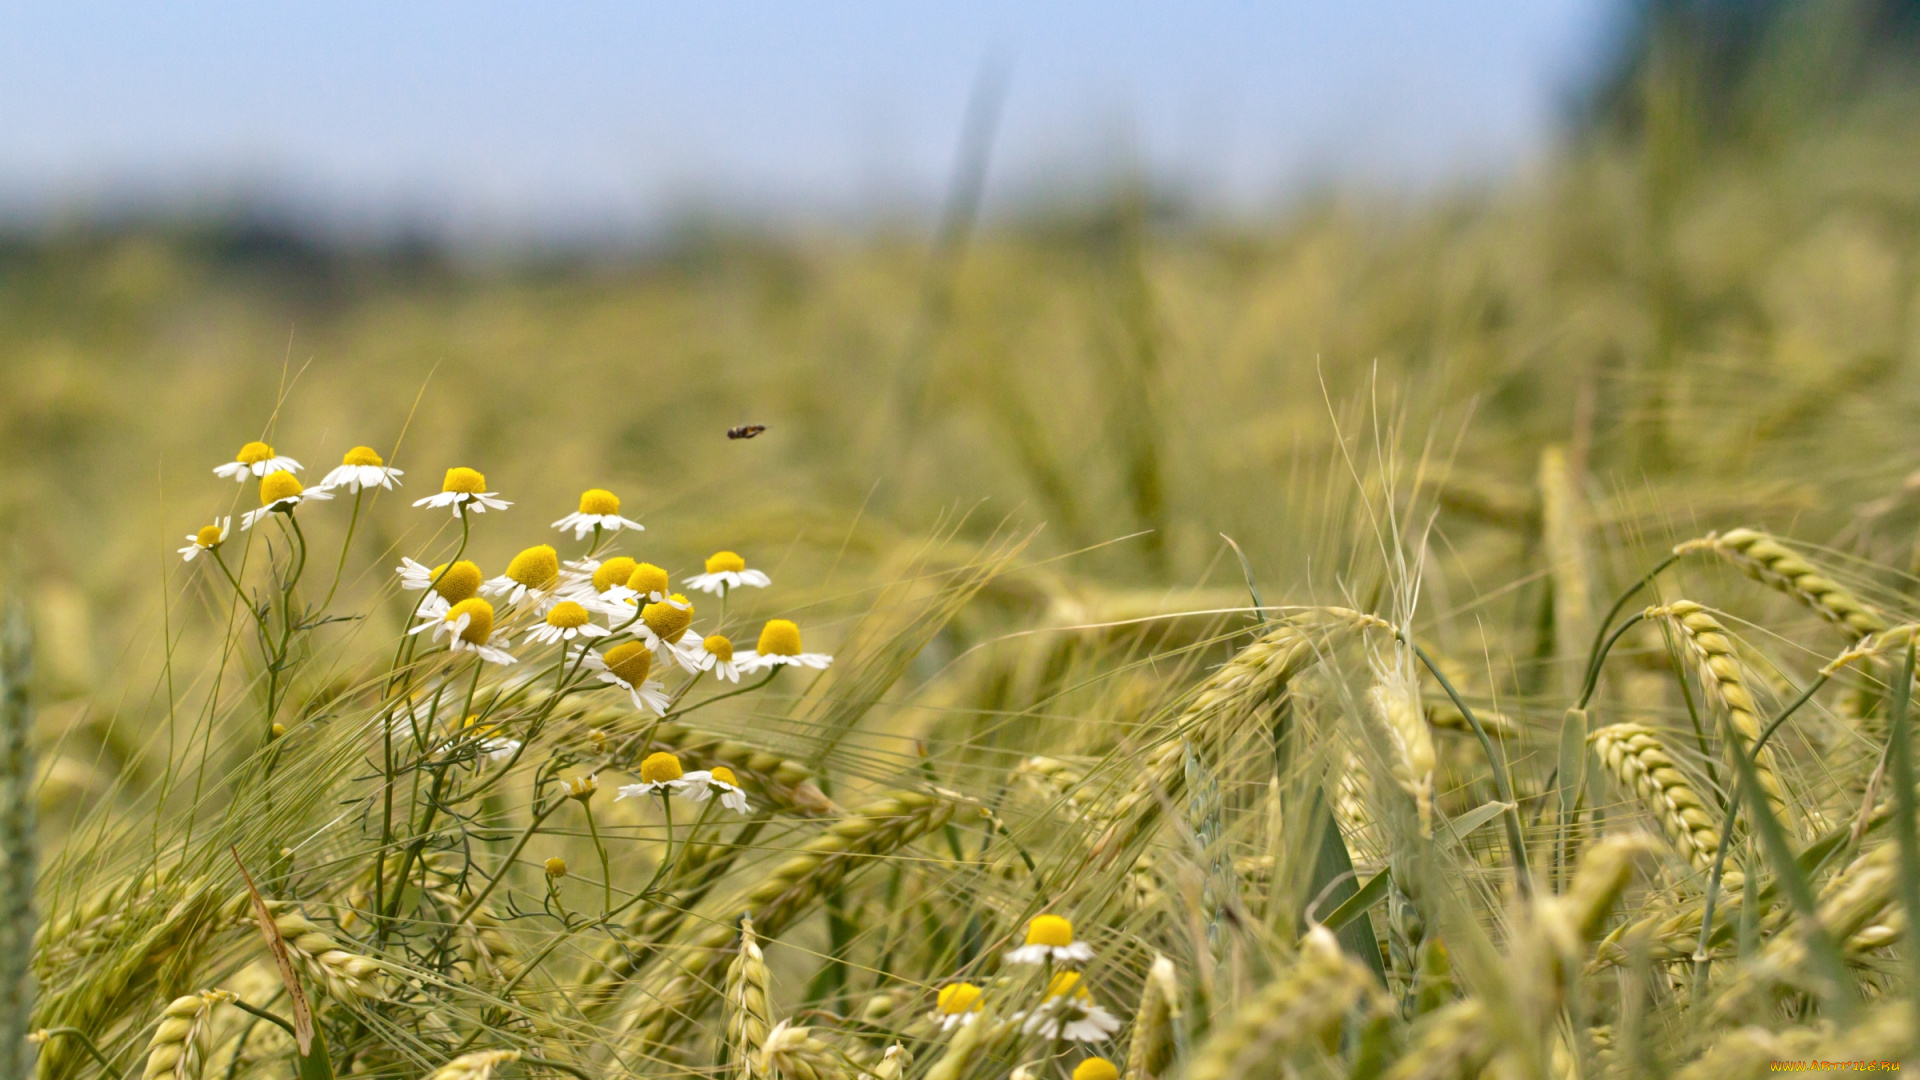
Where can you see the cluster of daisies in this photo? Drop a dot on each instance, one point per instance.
(1066, 1011)
(580, 604)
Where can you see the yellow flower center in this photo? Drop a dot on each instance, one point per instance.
(556, 867)
(1050, 930)
(277, 486)
(1066, 984)
(725, 560)
(957, 998)
(1096, 1068)
(614, 571)
(362, 455)
(598, 501)
(660, 767)
(631, 661)
(568, 615)
(646, 579)
(464, 480)
(208, 537)
(536, 568)
(725, 775)
(253, 453)
(719, 647)
(780, 637)
(479, 615)
(460, 581)
(667, 621)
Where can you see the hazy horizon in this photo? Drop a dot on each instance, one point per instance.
(591, 120)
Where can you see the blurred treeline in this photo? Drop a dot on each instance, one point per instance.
(1706, 304)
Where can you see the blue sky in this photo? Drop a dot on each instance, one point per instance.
(562, 116)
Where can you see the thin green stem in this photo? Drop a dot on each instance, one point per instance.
(540, 815)
(353, 522)
(606, 870)
(1599, 658)
(1702, 962)
(1516, 838)
(86, 1043)
(1600, 632)
(258, 619)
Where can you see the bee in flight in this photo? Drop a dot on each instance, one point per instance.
(745, 431)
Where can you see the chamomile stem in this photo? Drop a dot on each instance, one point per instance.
(235, 582)
(353, 522)
(472, 688)
(777, 668)
(540, 816)
(666, 861)
(606, 871)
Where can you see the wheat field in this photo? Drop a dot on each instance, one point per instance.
(1472, 637)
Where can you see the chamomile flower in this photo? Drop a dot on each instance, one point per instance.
(716, 655)
(565, 621)
(726, 572)
(1050, 938)
(780, 644)
(1068, 1012)
(701, 785)
(280, 492)
(598, 510)
(660, 772)
(663, 627)
(647, 584)
(255, 459)
(208, 538)
(627, 666)
(464, 488)
(450, 584)
(591, 581)
(470, 624)
(535, 570)
(957, 1005)
(1096, 1068)
(362, 468)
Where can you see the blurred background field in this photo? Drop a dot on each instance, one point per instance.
(1702, 302)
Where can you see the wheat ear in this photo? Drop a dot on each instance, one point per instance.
(1395, 702)
(1453, 1041)
(1765, 559)
(1150, 1045)
(1851, 903)
(749, 1016)
(1710, 647)
(1255, 675)
(1305, 1002)
(178, 1044)
(1637, 760)
(792, 1053)
(893, 1064)
(342, 975)
(784, 894)
(475, 1066)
